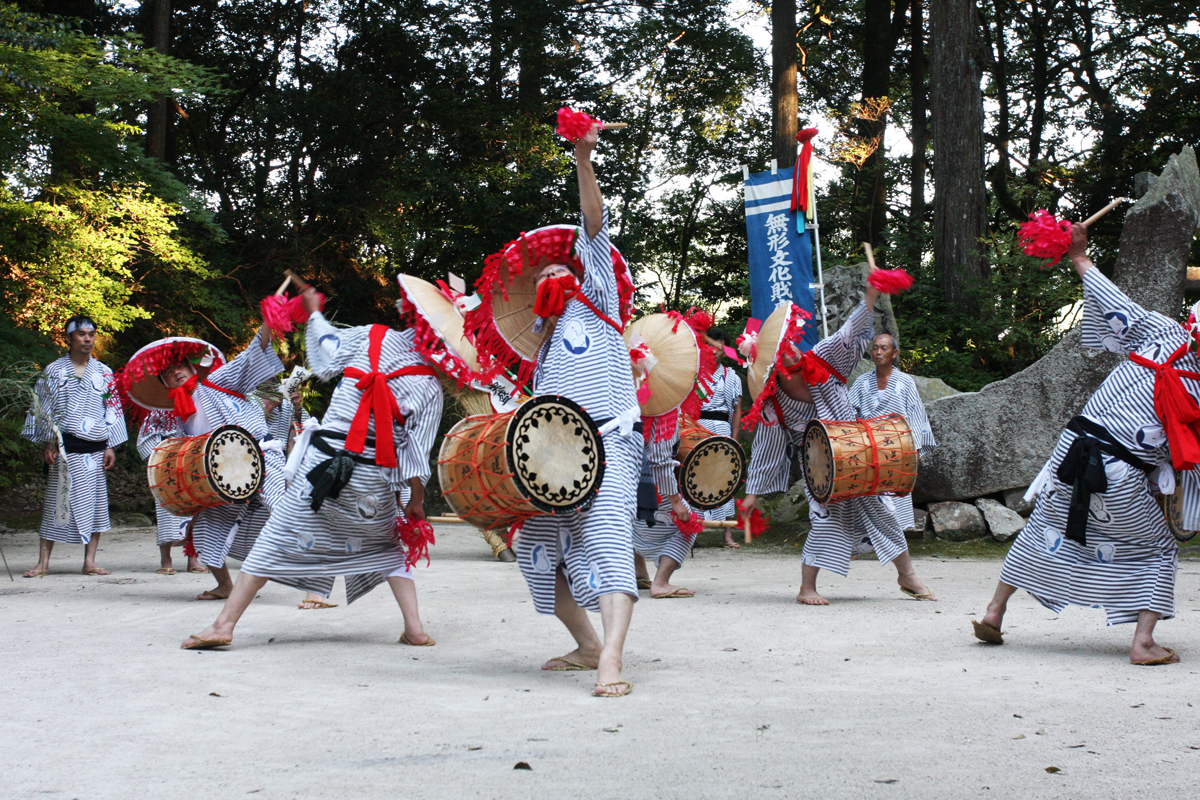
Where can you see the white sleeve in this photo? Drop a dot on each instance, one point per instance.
(844, 349)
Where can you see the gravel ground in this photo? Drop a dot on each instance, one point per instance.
(738, 692)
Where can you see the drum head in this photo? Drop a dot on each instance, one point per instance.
(818, 462)
(555, 453)
(712, 473)
(1172, 506)
(234, 463)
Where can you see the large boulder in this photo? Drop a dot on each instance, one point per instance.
(957, 522)
(999, 438)
(1003, 523)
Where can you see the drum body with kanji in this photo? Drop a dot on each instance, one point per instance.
(219, 468)
(711, 467)
(545, 457)
(859, 458)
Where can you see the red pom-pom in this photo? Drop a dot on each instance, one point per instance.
(282, 314)
(693, 525)
(189, 546)
(1045, 236)
(574, 125)
(758, 523)
(416, 535)
(891, 281)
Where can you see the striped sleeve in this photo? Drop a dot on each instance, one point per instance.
(421, 425)
(733, 390)
(661, 457)
(769, 469)
(250, 368)
(1113, 322)
(844, 349)
(599, 282)
(37, 422)
(914, 412)
(860, 391)
(328, 350)
(157, 427)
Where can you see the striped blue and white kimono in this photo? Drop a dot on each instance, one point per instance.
(1129, 562)
(900, 396)
(838, 529)
(230, 530)
(663, 537)
(79, 410)
(170, 528)
(352, 534)
(279, 421)
(717, 416)
(586, 360)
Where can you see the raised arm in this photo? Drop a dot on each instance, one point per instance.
(591, 203)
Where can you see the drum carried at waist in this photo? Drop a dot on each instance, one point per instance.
(859, 458)
(1172, 506)
(711, 467)
(546, 457)
(220, 468)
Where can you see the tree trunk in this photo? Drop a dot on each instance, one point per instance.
(920, 131)
(158, 117)
(960, 200)
(784, 101)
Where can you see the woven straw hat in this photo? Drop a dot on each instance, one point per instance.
(442, 316)
(767, 349)
(674, 376)
(139, 380)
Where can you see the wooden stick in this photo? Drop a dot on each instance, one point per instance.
(450, 519)
(1087, 222)
(614, 126)
(300, 284)
(870, 255)
(284, 285)
(749, 537)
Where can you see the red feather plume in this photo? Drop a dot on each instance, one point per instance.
(891, 281)
(1045, 236)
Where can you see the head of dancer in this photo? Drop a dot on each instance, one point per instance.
(177, 374)
(716, 339)
(884, 351)
(81, 335)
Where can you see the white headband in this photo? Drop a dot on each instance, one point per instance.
(76, 326)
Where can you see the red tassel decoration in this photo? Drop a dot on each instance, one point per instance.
(416, 535)
(693, 525)
(891, 281)
(574, 125)
(189, 546)
(758, 523)
(1045, 236)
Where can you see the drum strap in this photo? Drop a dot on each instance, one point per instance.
(181, 396)
(378, 401)
(1175, 407)
(1082, 469)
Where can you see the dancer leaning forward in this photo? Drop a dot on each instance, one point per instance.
(812, 386)
(340, 513)
(1097, 537)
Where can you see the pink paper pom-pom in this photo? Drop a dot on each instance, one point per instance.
(692, 526)
(282, 314)
(1045, 236)
(574, 125)
(891, 281)
(416, 536)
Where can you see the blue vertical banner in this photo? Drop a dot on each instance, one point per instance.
(781, 258)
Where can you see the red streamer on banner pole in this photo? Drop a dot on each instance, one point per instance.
(800, 198)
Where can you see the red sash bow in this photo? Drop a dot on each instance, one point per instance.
(815, 370)
(378, 400)
(181, 396)
(1175, 407)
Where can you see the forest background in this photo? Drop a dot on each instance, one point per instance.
(165, 161)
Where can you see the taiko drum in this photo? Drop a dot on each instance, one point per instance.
(711, 467)
(193, 473)
(1172, 506)
(859, 458)
(546, 457)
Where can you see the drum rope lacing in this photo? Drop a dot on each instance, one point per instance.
(473, 462)
(856, 474)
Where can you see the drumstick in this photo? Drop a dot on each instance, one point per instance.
(284, 285)
(1087, 222)
(450, 519)
(870, 254)
(614, 126)
(299, 283)
(746, 526)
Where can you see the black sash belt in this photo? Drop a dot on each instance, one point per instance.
(720, 416)
(331, 476)
(73, 444)
(1083, 470)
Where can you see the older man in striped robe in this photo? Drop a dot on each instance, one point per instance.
(340, 511)
(1097, 536)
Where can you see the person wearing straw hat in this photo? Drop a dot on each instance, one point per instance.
(1097, 536)
(722, 414)
(72, 418)
(572, 346)
(810, 385)
(656, 537)
(170, 530)
(342, 513)
(189, 379)
(887, 390)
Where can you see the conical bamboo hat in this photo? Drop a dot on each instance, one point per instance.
(442, 316)
(674, 376)
(767, 349)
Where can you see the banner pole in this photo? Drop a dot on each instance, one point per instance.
(816, 229)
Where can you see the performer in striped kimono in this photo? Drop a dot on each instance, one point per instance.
(339, 516)
(1096, 536)
(171, 530)
(813, 387)
(655, 535)
(203, 403)
(887, 390)
(722, 414)
(79, 429)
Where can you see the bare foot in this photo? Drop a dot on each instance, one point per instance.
(809, 597)
(37, 572)
(588, 658)
(210, 637)
(1152, 654)
(608, 669)
(94, 570)
(912, 586)
(661, 591)
(994, 617)
(421, 639)
(219, 593)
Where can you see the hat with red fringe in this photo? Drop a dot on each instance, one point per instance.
(765, 349)
(502, 327)
(672, 368)
(433, 312)
(138, 385)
